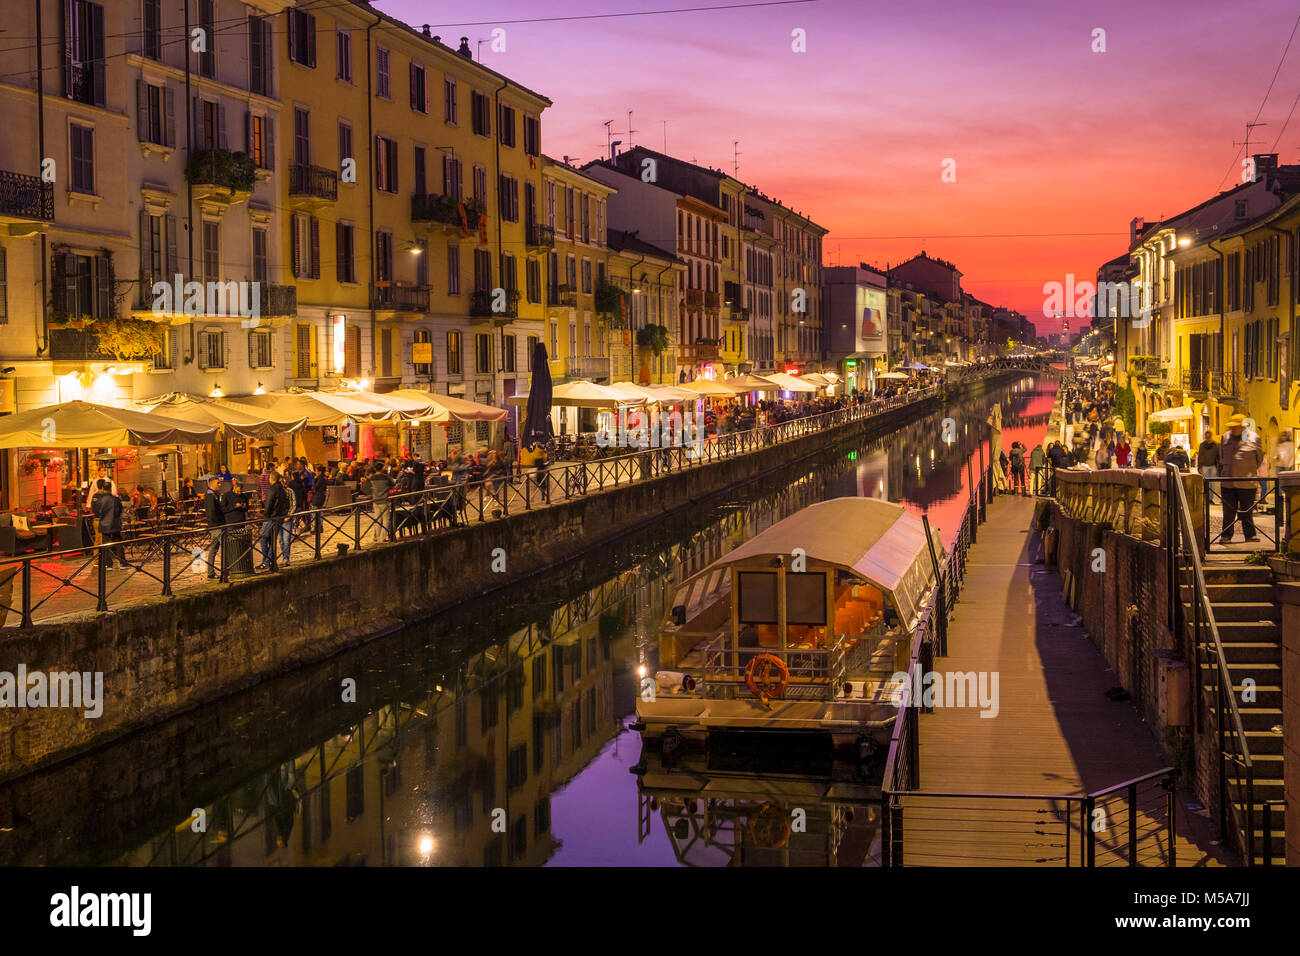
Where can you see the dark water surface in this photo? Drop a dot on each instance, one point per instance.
(495, 735)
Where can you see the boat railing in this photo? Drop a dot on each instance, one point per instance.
(815, 673)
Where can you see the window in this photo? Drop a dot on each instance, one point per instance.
(304, 349)
(259, 55)
(451, 176)
(212, 349)
(453, 353)
(508, 189)
(302, 38)
(83, 52)
(345, 252)
(509, 272)
(482, 270)
(481, 113)
(82, 143)
(385, 164)
(259, 255)
(343, 55)
(422, 337)
(151, 29)
(533, 280)
(555, 339)
(259, 349)
(157, 250)
(449, 110)
(419, 89)
(207, 56)
(163, 358)
(301, 137)
(305, 232)
(155, 114)
(517, 767)
(421, 257)
(483, 354)
(82, 285)
(345, 143)
(352, 351)
(586, 276)
(541, 816)
(421, 185)
(385, 369)
(382, 85)
(4, 289)
(259, 142)
(586, 218)
(211, 251)
(509, 350)
(383, 255)
(480, 184)
(532, 136)
(453, 269)
(506, 124)
(571, 273)
(532, 350)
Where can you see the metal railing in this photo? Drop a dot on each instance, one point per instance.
(316, 181)
(26, 197)
(1236, 769)
(78, 579)
(1266, 495)
(400, 298)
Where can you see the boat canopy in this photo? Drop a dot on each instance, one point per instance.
(878, 541)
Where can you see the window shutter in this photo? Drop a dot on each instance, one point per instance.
(315, 247)
(58, 287)
(340, 257)
(292, 32)
(248, 132)
(141, 110)
(411, 73)
(97, 50)
(169, 116)
(69, 78)
(146, 256)
(311, 40)
(171, 248)
(103, 287)
(268, 143)
(295, 231)
(221, 125)
(197, 114)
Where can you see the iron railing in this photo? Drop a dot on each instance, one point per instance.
(1236, 772)
(316, 181)
(26, 197)
(399, 298)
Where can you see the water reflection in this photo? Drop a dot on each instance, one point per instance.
(496, 734)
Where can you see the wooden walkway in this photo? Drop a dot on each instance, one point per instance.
(1055, 731)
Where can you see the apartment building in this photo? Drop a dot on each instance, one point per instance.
(856, 304)
(120, 171)
(412, 173)
(643, 330)
(573, 219)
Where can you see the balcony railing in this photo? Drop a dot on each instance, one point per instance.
(540, 237)
(562, 296)
(26, 197)
(429, 207)
(694, 298)
(482, 300)
(712, 300)
(697, 354)
(315, 181)
(587, 367)
(399, 298)
(277, 299)
(76, 345)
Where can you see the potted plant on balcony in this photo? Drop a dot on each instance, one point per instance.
(221, 167)
(609, 303)
(653, 337)
(474, 210)
(127, 339)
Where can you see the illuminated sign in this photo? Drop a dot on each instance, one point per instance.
(339, 343)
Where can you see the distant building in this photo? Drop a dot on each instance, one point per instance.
(857, 309)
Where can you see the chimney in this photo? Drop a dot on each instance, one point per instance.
(1265, 166)
(425, 31)
(1135, 227)
(464, 49)
(436, 38)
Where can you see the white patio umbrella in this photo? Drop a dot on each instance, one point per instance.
(789, 383)
(585, 394)
(247, 421)
(749, 382)
(84, 425)
(320, 408)
(1176, 414)
(707, 386)
(892, 375)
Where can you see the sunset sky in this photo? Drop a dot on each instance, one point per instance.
(1047, 136)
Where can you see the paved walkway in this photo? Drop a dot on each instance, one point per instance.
(1055, 732)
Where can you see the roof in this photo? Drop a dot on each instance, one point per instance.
(622, 241)
(876, 540)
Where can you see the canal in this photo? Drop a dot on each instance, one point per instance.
(495, 735)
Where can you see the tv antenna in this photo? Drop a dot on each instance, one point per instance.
(609, 137)
(630, 130)
(665, 136)
(735, 158)
(1246, 141)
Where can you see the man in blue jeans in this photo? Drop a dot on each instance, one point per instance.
(276, 508)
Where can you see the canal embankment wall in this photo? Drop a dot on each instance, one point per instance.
(161, 658)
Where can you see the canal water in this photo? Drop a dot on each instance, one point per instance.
(497, 734)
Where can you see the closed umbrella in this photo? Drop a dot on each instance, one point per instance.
(537, 416)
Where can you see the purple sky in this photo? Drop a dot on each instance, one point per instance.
(1047, 136)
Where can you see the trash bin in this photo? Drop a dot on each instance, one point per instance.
(238, 553)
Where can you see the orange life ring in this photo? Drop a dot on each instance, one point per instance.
(769, 827)
(759, 669)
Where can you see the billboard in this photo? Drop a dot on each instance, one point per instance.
(870, 335)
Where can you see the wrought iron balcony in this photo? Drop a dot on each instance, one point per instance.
(588, 367)
(399, 298)
(434, 208)
(77, 345)
(1213, 381)
(25, 197)
(562, 296)
(694, 298)
(540, 237)
(277, 299)
(697, 354)
(482, 300)
(315, 181)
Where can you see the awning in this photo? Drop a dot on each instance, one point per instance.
(657, 394)
(404, 408)
(789, 383)
(448, 407)
(1176, 414)
(815, 378)
(892, 375)
(83, 425)
(876, 540)
(584, 394)
(749, 382)
(706, 386)
(237, 419)
(319, 408)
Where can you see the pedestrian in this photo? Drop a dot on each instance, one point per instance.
(1281, 458)
(1207, 463)
(216, 520)
(1038, 461)
(1018, 469)
(1141, 456)
(1239, 457)
(380, 485)
(275, 510)
(1177, 456)
(107, 507)
(234, 503)
(1123, 451)
(318, 487)
(1102, 457)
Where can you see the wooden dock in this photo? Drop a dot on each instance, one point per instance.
(1055, 734)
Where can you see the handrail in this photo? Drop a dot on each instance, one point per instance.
(1162, 773)
(1247, 832)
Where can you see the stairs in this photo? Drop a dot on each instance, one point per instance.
(1249, 622)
